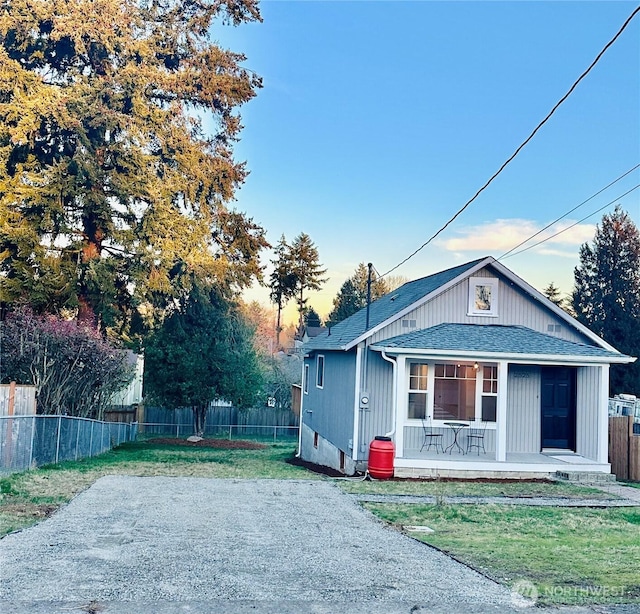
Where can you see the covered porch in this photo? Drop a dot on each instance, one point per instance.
(542, 405)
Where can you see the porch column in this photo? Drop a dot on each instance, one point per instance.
(603, 416)
(400, 403)
(501, 412)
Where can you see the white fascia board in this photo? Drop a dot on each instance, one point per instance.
(511, 358)
(561, 313)
(426, 298)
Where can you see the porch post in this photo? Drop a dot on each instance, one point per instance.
(400, 403)
(603, 416)
(501, 412)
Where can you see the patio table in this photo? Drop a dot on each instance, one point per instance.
(456, 427)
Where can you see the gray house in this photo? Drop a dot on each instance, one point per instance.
(473, 350)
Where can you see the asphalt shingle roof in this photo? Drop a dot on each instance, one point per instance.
(498, 339)
(384, 308)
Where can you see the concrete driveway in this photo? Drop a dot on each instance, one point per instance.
(137, 545)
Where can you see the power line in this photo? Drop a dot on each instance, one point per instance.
(524, 143)
(584, 202)
(572, 225)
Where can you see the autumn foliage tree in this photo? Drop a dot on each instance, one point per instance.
(606, 295)
(112, 195)
(74, 369)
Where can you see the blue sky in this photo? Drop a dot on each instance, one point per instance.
(379, 120)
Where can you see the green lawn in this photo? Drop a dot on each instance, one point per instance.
(572, 556)
(442, 488)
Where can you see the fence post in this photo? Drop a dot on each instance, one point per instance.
(33, 434)
(230, 427)
(91, 441)
(78, 423)
(58, 438)
(177, 431)
(275, 430)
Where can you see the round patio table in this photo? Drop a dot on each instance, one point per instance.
(456, 427)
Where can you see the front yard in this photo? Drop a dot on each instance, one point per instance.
(568, 555)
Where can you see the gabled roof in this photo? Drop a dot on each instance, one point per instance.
(393, 306)
(482, 341)
(347, 333)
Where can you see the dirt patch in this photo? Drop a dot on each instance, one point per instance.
(24, 510)
(224, 444)
(321, 469)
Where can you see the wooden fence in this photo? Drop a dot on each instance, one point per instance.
(624, 448)
(17, 400)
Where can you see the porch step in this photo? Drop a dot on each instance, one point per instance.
(586, 476)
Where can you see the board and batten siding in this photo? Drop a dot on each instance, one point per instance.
(523, 409)
(329, 410)
(379, 419)
(515, 307)
(588, 396)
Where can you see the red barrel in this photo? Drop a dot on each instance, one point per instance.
(381, 455)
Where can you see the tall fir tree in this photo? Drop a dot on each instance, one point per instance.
(307, 271)
(606, 296)
(282, 282)
(111, 194)
(552, 292)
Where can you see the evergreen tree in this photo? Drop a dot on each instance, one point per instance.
(552, 292)
(606, 295)
(352, 295)
(282, 282)
(202, 352)
(312, 318)
(307, 271)
(112, 196)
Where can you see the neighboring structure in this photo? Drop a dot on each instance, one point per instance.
(474, 344)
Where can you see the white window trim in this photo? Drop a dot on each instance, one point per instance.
(429, 402)
(305, 387)
(474, 282)
(430, 397)
(318, 357)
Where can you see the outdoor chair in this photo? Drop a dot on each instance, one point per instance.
(431, 437)
(475, 438)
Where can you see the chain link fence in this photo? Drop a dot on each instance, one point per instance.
(32, 441)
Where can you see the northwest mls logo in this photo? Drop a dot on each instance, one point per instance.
(524, 594)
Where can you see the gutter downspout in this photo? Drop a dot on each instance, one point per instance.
(395, 400)
(299, 452)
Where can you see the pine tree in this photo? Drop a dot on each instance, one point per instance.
(111, 195)
(307, 271)
(552, 292)
(282, 282)
(352, 295)
(606, 295)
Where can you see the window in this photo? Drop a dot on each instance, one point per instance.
(320, 371)
(489, 393)
(408, 323)
(418, 379)
(483, 296)
(454, 392)
(306, 379)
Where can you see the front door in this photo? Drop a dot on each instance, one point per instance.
(558, 401)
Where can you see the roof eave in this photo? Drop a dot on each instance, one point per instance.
(471, 354)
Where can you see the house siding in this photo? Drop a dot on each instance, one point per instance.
(523, 409)
(329, 410)
(515, 307)
(587, 408)
(379, 418)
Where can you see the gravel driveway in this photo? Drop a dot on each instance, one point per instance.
(131, 543)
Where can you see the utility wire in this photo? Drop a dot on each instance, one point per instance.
(584, 202)
(517, 151)
(526, 249)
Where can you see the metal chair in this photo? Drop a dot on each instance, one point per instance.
(475, 438)
(431, 437)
